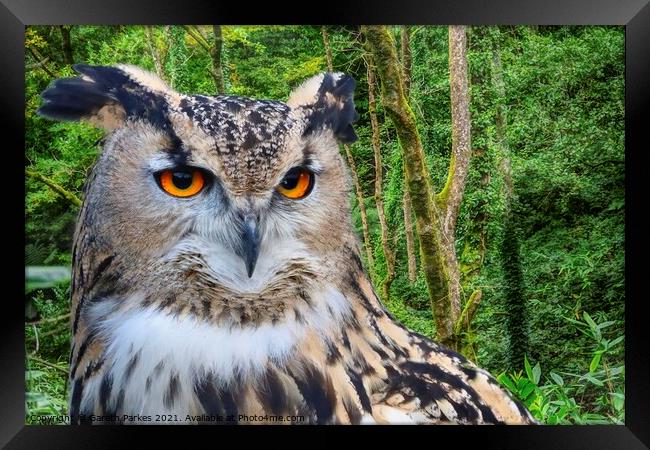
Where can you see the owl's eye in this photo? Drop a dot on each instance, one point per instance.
(181, 182)
(297, 183)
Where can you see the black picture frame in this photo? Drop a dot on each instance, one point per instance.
(633, 14)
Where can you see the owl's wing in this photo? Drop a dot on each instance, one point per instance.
(416, 380)
(94, 272)
(437, 385)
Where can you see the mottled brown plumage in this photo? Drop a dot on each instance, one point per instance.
(238, 302)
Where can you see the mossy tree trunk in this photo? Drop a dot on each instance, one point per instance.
(216, 53)
(483, 160)
(406, 60)
(353, 171)
(328, 48)
(450, 198)
(379, 199)
(428, 216)
(472, 255)
(159, 49)
(68, 57)
(367, 243)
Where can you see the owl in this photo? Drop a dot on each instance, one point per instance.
(217, 275)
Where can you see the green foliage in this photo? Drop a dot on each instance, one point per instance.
(43, 395)
(564, 128)
(271, 61)
(47, 344)
(599, 392)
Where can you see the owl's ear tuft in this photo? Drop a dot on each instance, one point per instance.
(106, 97)
(329, 100)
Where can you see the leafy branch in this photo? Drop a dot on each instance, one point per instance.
(69, 196)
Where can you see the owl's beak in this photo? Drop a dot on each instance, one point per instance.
(250, 241)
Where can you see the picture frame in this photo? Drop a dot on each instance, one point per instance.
(633, 14)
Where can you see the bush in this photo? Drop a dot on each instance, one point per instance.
(600, 391)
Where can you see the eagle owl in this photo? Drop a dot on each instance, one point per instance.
(217, 275)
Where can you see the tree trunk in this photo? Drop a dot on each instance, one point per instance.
(353, 172)
(362, 209)
(406, 58)
(428, 217)
(482, 159)
(500, 122)
(328, 48)
(451, 196)
(406, 198)
(215, 54)
(68, 58)
(515, 291)
(410, 239)
(379, 200)
(155, 54)
(475, 245)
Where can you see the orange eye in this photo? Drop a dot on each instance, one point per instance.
(184, 182)
(297, 183)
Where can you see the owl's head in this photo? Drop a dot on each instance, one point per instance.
(246, 186)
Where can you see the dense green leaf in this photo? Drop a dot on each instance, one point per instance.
(594, 362)
(537, 373)
(557, 378)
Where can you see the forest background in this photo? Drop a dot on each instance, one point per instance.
(488, 186)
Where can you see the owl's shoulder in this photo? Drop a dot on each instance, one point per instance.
(437, 385)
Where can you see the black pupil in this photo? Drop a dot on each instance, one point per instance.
(182, 180)
(290, 180)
